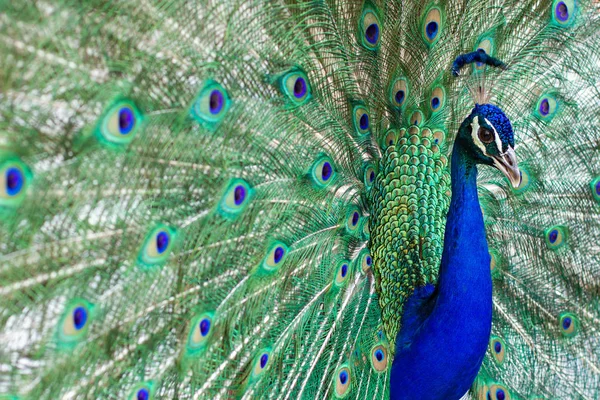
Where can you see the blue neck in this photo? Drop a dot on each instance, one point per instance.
(440, 349)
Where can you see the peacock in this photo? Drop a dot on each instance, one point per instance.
(285, 199)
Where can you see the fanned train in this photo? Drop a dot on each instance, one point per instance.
(252, 199)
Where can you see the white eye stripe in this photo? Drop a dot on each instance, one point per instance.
(475, 136)
(496, 136)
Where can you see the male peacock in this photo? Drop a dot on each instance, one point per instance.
(254, 199)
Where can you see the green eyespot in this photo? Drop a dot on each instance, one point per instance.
(157, 245)
(352, 219)
(323, 171)
(143, 391)
(416, 118)
(391, 138)
(211, 104)
(546, 107)
(295, 86)
(497, 348)
(236, 198)
(563, 12)
(365, 260)
(499, 392)
(74, 324)
(399, 92)
(15, 177)
(342, 381)
(379, 358)
(262, 362)
(369, 29)
(432, 26)
(556, 237)
(438, 99)
(342, 273)
(568, 323)
(201, 330)
(369, 176)
(275, 257)
(120, 123)
(362, 123)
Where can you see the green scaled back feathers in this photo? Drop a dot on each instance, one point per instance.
(235, 199)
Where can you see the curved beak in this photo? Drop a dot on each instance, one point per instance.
(507, 164)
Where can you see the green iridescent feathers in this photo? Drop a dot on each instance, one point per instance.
(193, 203)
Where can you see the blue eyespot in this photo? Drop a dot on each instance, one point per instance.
(568, 324)
(546, 107)
(398, 92)
(379, 358)
(295, 85)
(261, 363)
(369, 29)
(322, 171)
(80, 317)
(431, 29)
(432, 25)
(369, 175)
(201, 329)
(563, 12)
(343, 377)
(119, 124)
(126, 120)
(342, 273)
(211, 105)
(263, 360)
(157, 245)
(595, 186)
(14, 181)
(235, 199)
(74, 323)
(498, 349)
(352, 219)
(274, 258)
(342, 380)
(435, 103)
(361, 120)
(143, 394)
(556, 237)
(365, 261)
(500, 394)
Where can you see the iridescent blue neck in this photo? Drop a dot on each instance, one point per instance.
(440, 352)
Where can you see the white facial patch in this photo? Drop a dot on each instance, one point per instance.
(496, 136)
(475, 136)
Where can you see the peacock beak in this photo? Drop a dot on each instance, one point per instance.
(507, 164)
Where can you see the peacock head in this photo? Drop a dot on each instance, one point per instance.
(490, 140)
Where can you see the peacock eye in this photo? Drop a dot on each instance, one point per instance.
(485, 135)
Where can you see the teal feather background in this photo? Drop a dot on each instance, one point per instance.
(82, 231)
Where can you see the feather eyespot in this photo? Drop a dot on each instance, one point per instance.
(595, 185)
(211, 104)
(295, 86)
(236, 198)
(556, 237)
(497, 347)
(275, 257)
(157, 245)
(546, 107)
(416, 118)
(15, 177)
(75, 322)
(352, 220)
(343, 273)
(563, 12)
(369, 29)
(201, 330)
(438, 99)
(362, 123)
(365, 260)
(487, 45)
(568, 324)
(369, 176)
(379, 358)
(398, 92)
(432, 25)
(390, 138)
(261, 363)
(485, 135)
(143, 391)
(499, 392)
(323, 171)
(120, 123)
(342, 381)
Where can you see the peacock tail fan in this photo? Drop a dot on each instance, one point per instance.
(203, 199)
